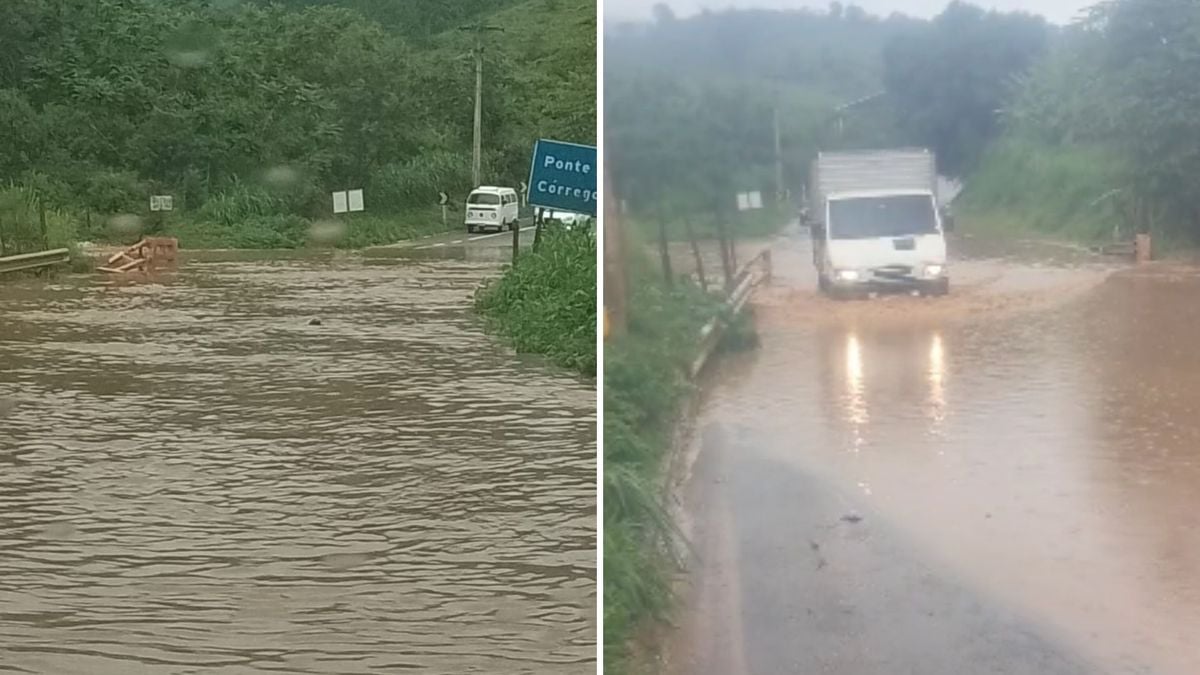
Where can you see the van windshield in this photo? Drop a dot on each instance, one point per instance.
(872, 217)
(483, 198)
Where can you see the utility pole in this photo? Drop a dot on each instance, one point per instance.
(778, 160)
(477, 145)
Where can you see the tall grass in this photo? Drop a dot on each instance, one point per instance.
(417, 181)
(1026, 186)
(546, 304)
(21, 226)
(644, 386)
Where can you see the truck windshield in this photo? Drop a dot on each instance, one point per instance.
(872, 217)
(483, 198)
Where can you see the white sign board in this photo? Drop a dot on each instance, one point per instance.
(347, 200)
(756, 200)
(162, 203)
(743, 201)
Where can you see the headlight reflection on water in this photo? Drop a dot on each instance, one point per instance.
(856, 400)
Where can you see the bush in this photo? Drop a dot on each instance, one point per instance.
(257, 232)
(238, 203)
(546, 303)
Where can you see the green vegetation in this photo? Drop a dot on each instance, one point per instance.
(1072, 131)
(546, 303)
(1026, 187)
(691, 104)
(27, 226)
(1108, 121)
(945, 79)
(644, 385)
(250, 114)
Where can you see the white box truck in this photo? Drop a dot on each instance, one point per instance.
(876, 223)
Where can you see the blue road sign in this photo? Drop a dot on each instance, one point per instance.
(563, 177)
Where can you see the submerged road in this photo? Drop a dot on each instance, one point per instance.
(195, 479)
(1006, 480)
(480, 246)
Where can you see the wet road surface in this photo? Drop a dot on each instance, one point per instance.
(1006, 480)
(193, 479)
(483, 246)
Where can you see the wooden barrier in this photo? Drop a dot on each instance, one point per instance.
(149, 253)
(1141, 248)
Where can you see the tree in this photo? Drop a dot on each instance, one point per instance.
(948, 79)
(1151, 59)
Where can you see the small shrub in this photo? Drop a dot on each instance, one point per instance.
(546, 304)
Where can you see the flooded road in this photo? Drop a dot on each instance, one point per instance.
(194, 479)
(1006, 480)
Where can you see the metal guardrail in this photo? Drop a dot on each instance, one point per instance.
(28, 261)
(743, 285)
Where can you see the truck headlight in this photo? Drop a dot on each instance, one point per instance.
(847, 275)
(933, 271)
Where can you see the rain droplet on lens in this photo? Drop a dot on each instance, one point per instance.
(327, 232)
(126, 224)
(281, 176)
(191, 45)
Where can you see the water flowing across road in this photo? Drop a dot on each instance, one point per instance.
(195, 479)
(1006, 480)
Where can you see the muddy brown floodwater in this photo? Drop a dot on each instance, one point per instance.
(193, 479)
(1006, 480)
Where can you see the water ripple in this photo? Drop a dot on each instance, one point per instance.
(194, 479)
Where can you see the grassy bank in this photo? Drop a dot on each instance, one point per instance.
(263, 231)
(1079, 194)
(546, 304)
(645, 385)
(1028, 188)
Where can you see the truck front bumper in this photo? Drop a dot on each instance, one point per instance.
(891, 280)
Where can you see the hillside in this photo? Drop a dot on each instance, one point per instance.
(254, 113)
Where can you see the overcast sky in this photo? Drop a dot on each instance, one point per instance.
(1058, 11)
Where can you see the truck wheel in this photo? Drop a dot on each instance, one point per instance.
(470, 229)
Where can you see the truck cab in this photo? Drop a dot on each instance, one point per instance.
(877, 225)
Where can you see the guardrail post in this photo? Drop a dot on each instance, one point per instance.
(664, 255)
(516, 242)
(687, 224)
(42, 221)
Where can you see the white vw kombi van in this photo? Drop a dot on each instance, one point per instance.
(492, 208)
